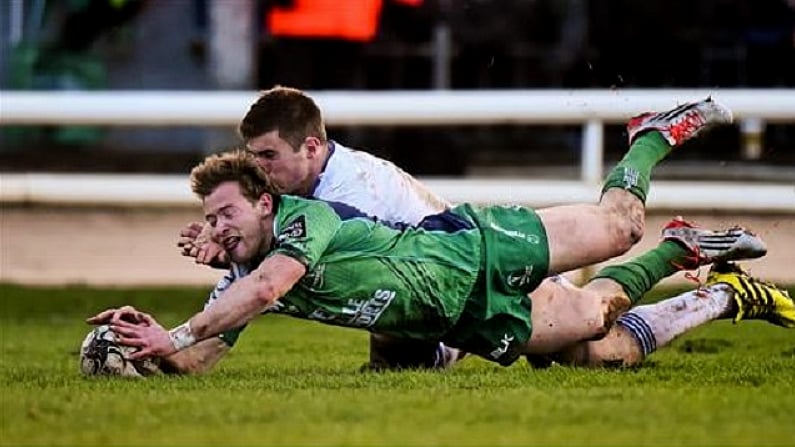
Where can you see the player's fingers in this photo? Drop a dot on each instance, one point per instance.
(201, 255)
(125, 331)
(141, 354)
(106, 316)
(211, 252)
(187, 249)
(147, 320)
(214, 250)
(191, 230)
(126, 315)
(100, 318)
(127, 309)
(188, 233)
(207, 253)
(135, 342)
(126, 324)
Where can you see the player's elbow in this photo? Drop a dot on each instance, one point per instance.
(273, 278)
(265, 295)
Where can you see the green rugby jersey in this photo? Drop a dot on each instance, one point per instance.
(461, 276)
(391, 279)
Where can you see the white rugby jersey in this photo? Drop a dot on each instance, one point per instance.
(375, 186)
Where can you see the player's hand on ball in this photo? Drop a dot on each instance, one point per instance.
(124, 313)
(102, 355)
(151, 339)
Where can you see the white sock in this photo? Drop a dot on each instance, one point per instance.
(655, 325)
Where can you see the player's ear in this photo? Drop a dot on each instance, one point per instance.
(265, 204)
(313, 145)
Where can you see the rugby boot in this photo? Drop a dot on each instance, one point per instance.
(756, 300)
(708, 246)
(681, 123)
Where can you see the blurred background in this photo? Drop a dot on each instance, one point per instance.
(339, 50)
(320, 45)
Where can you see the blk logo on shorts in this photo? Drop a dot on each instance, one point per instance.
(520, 278)
(505, 343)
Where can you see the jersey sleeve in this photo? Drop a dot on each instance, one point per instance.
(304, 229)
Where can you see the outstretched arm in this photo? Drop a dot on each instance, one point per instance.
(242, 301)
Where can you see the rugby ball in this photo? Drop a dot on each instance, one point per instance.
(102, 355)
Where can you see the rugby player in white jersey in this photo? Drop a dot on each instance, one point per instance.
(467, 284)
(277, 124)
(284, 129)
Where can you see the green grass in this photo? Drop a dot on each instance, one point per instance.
(290, 382)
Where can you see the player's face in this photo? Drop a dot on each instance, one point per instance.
(241, 227)
(289, 170)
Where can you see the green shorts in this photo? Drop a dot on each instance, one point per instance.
(496, 320)
(495, 328)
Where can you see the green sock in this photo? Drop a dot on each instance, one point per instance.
(633, 172)
(640, 274)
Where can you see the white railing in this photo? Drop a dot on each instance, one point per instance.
(169, 190)
(591, 108)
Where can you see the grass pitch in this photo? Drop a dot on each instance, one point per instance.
(290, 382)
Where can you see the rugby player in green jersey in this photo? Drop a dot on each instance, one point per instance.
(284, 130)
(462, 276)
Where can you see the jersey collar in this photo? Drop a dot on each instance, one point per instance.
(331, 147)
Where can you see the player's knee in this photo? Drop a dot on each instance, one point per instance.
(596, 327)
(625, 219)
(612, 306)
(626, 230)
(600, 330)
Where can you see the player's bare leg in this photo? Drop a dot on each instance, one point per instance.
(563, 312)
(582, 235)
(730, 293)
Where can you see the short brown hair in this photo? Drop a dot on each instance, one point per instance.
(290, 111)
(235, 165)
